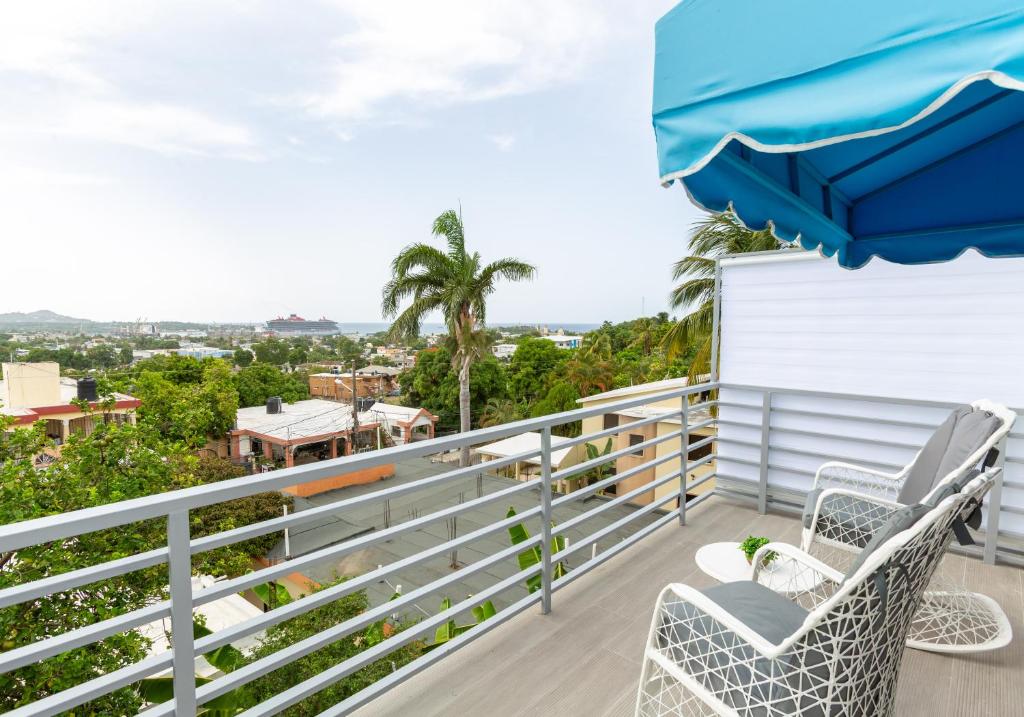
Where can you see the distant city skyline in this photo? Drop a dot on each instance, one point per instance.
(225, 162)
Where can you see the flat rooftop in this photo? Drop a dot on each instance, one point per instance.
(584, 658)
(312, 417)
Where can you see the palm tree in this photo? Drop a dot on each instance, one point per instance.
(455, 283)
(498, 411)
(713, 236)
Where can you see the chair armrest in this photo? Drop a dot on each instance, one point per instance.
(796, 574)
(847, 517)
(836, 474)
(708, 607)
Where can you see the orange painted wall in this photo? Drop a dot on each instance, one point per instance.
(367, 475)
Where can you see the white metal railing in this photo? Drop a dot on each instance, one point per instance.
(757, 410)
(175, 508)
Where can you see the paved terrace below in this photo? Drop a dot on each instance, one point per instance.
(584, 658)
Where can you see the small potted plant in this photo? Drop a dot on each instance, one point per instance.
(752, 544)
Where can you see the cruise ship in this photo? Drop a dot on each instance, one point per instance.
(295, 324)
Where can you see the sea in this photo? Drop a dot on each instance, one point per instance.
(372, 327)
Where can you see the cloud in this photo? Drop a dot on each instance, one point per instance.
(503, 142)
(56, 84)
(401, 59)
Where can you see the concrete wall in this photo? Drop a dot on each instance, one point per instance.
(662, 428)
(367, 475)
(29, 385)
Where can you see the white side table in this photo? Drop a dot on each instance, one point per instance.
(726, 563)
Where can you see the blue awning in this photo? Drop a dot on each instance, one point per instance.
(891, 128)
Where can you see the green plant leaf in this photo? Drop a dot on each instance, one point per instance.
(281, 593)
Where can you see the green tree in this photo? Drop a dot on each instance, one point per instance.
(315, 622)
(243, 357)
(433, 383)
(531, 366)
(498, 411)
(454, 283)
(115, 462)
(714, 236)
(272, 351)
(191, 412)
(256, 383)
(562, 396)
(349, 351)
(298, 355)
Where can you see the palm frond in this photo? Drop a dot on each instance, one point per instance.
(449, 226)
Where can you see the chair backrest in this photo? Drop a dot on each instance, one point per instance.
(964, 440)
(863, 627)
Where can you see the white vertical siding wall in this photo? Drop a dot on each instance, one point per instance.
(942, 333)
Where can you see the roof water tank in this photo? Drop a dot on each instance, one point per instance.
(274, 404)
(87, 389)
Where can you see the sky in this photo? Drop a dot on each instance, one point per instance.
(239, 160)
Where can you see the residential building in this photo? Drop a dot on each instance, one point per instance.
(371, 382)
(503, 352)
(31, 392)
(404, 424)
(530, 468)
(202, 352)
(668, 424)
(564, 341)
(291, 434)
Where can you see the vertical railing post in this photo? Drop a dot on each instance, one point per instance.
(995, 505)
(762, 481)
(180, 578)
(684, 455)
(545, 520)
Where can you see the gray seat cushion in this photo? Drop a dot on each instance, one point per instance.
(964, 432)
(723, 665)
(899, 521)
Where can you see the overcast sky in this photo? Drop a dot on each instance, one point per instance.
(239, 160)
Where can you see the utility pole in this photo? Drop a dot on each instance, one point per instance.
(355, 410)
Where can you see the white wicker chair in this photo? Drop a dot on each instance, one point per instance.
(744, 649)
(849, 502)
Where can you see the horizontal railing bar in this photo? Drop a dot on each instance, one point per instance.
(41, 530)
(805, 452)
(566, 473)
(838, 396)
(819, 434)
(410, 669)
(83, 576)
(50, 646)
(298, 692)
(609, 529)
(701, 443)
(896, 422)
(700, 481)
(607, 432)
(335, 592)
(630, 540)
(244, 582)
(72, 697)
(616, 501)
(584, 491)
(703, 424)
(255, 530)
(829, 414)
(626, 542)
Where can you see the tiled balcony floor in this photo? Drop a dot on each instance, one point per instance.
(584, 657)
